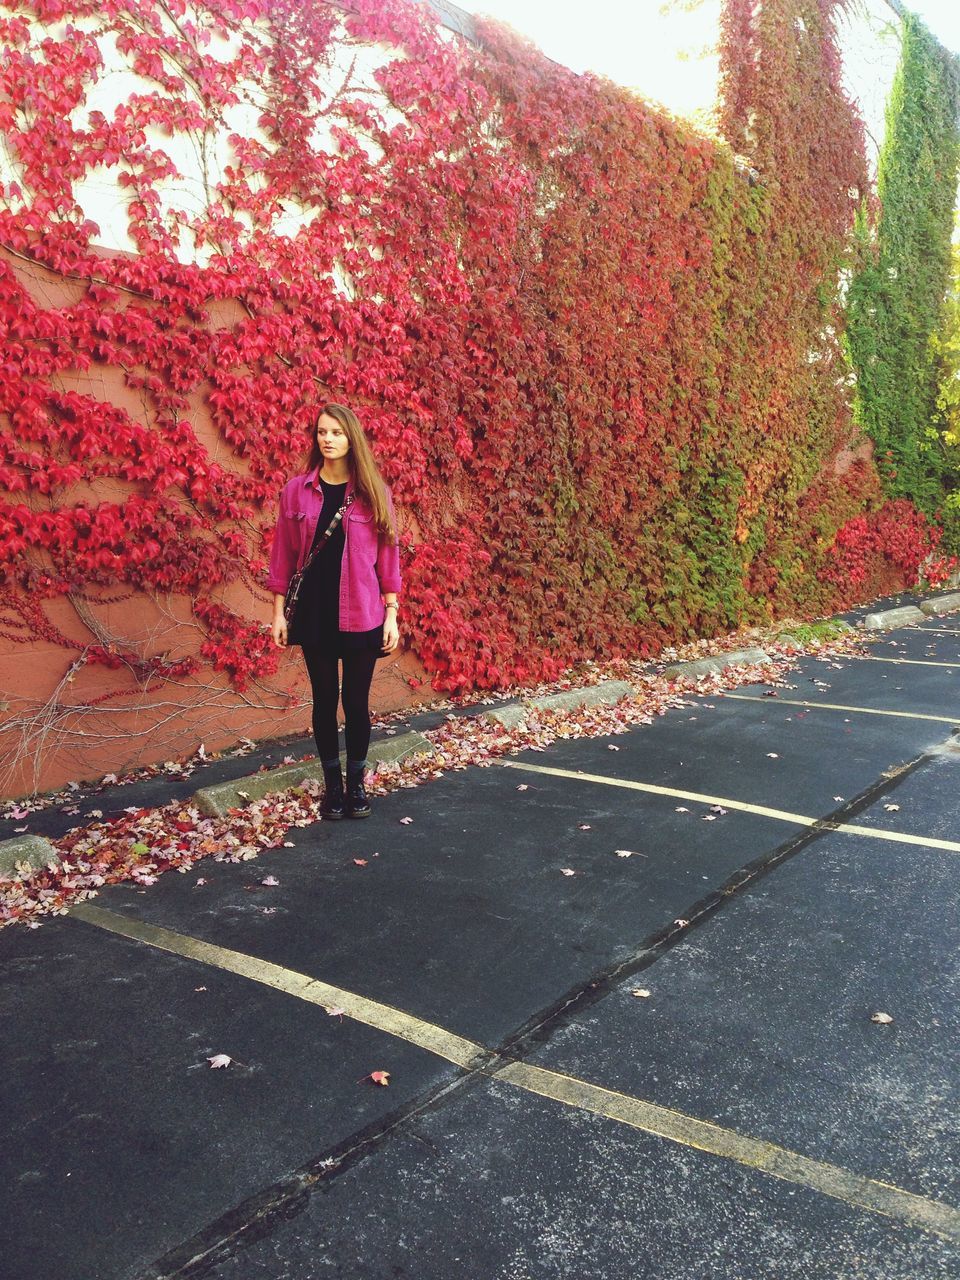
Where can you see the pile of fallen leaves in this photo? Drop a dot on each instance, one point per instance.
(72, 791)
(142, 844)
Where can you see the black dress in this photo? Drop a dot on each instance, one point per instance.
(316, 623)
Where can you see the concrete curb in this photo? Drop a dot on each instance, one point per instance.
(889, 618)
(787, 637)
(719, 662)
(567, 700)
(940, 604)
(26, 849)
(217, 800)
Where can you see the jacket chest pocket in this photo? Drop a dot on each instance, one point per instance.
(363, 532)
(296, 523)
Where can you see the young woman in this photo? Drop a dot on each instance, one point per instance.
(347, 607)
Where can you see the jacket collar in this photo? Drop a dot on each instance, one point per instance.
(311, 477)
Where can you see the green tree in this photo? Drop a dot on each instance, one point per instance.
(895, 301)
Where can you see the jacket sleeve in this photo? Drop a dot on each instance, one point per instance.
(388, 556)
(283, 554)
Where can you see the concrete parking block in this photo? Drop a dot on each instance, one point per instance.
(29, 849)
(215, 801)
(692, 670)
(607, 691)
(889, 618)
(941, 604)
(720, 661)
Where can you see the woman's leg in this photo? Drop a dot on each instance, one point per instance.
(325, 683)
(357, 677)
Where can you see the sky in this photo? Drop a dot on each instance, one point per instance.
(612, 37)
(943, 19)
(635, 43)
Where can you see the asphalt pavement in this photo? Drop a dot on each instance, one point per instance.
(626, 1000)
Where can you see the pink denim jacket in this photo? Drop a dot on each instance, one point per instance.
(371, 563)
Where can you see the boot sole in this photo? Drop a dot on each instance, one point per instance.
(364, 814)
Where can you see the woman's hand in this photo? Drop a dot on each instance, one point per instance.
(278, 629)
(391, 632)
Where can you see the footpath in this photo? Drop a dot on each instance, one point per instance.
(674, 1000)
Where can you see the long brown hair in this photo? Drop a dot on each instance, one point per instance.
(367, 480)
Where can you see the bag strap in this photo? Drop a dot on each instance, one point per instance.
(320, 543)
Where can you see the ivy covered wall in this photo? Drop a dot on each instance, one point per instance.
(599, 354)
(947, 353)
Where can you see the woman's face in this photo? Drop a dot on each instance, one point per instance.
(332, 438)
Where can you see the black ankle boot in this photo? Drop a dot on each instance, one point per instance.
(358, 806)
(332, 804)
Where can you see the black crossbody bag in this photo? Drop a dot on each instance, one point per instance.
(292, 593)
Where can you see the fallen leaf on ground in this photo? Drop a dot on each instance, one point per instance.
(681, 809)
(379, 1077)
(682, 923)
(220, 1060)
(585, 826)
(717, 808)
(772, 755)
(360, 862)
(891, 808)
(567, 871)
(642, 992)
(406, 821)
(336, 1013)
(611, 747)
(270, 881)
(199, 988)
(882, 1018)
(523, 787)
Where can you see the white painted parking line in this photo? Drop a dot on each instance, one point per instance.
(779, 815)
(839, 706)
(903, 662)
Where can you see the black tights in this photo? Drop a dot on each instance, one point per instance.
(325, 682)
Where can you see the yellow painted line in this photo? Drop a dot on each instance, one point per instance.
(662, 1122)
(903, 662)
(830, 1180)
(837, 706)
(780, 815)
(382, 1016)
